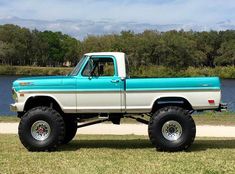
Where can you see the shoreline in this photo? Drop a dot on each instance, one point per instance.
(225, 72)
(33, 71)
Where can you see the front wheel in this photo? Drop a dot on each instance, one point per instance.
(70, 129)
(171, 129)
(41, 129)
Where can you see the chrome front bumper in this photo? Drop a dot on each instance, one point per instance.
(13, 108)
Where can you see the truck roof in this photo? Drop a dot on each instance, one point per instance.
(115, 54)
(120, 58)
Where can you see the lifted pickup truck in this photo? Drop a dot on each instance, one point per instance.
(99, 89)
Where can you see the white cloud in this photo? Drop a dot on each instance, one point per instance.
(158, 11)
(81, 28)
(83, 17)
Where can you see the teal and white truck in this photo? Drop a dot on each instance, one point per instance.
(100, 89)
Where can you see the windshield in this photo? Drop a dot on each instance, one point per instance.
(78, 67)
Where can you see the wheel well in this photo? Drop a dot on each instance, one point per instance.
(171, 101)
(42, 101)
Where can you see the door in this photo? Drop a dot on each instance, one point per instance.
(99, 87)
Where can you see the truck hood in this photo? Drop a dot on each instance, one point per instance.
(44, 82)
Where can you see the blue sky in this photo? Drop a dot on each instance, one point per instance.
(151, 11)
(187, 14)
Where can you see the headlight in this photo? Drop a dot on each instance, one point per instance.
(14, 95)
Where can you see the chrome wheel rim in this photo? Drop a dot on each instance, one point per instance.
(171, 130)
(40, 130)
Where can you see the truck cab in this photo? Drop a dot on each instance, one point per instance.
(102, 76)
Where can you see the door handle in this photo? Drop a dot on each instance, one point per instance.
(115, 81)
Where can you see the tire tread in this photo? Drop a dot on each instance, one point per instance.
(56, 117)
(178, 110)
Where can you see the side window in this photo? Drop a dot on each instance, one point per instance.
(99, 67)
(88, 68)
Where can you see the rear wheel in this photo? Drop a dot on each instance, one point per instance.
(41, 129)
(171, 129)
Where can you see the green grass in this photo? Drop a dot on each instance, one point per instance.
(210, 118)
(118, 154)
(162, 71)
(9, 119)
(207, 118)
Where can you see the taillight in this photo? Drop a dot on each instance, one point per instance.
(211, 101)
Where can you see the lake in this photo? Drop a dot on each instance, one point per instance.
(228, 94)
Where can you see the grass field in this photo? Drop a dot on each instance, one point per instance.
(118, 154)
(227, 119)
(9, 119)
(209, 118)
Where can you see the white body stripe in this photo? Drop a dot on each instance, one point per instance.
(99, 102)
(114, 102)
(143, 101)
(67, 101)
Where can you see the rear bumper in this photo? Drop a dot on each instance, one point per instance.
(222, 107)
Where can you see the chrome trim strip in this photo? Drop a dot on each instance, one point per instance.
(180, 90)
(125, 91)
(68, 91)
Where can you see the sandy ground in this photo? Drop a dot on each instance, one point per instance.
(136, 129)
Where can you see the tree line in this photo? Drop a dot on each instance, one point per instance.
(177, 49)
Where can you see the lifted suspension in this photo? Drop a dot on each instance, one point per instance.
(113, 120)
(92, 123)
(139, 119)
